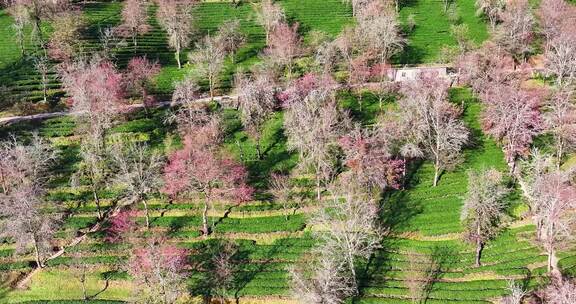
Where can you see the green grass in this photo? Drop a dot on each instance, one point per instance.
(432, 31)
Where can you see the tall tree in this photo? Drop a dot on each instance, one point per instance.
(370, 159)
(230, 37)
(512, 116)
(516, 31)
(484, 208)
(64, 43)
(208, 61)
(134, 20)
(313, 124)
(486, 67)
(560, 292)
(175, 16)
(43, 67)
(256, 101)
(159, 270)
(196, 169)
(284, 45)
(378, 31)
(350, 230)
(321, 280)
(491, 9)
(35, 12)
(23, 174)
(560, 57)
(139, 171)
(433, 121)
(95, 89)
(139, 74)
(268, 15)
(560, 121)
(555, 197)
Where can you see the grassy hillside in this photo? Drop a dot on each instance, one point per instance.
(424, 222)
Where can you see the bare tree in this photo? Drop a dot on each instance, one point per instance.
(560, 56)
(230, 37)
(560, 120)
(425, 270)
(378, 31)
(208, 60)
(256, 101)
(139, 171)
(555, 197)
(492, 9)
(42, 65)
(321, 280)
(350, 229)
(268, 15)
(19, 15)
(175, 16)
(23, 174)
(35, 12)
(313, 124)
(434, 121)
(484, 208)
(134, 20)
(517, 293)
(64, 42)
(280, 188)
(515, 33)
(224, 269)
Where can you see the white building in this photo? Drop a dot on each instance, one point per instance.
(412, 73)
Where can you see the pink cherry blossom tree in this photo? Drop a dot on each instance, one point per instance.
(96, 91)
(134, 20)
(159, 271)
(516, 32)
(201, 171)
(138, 76)
(284, 45)
(369, 158)
(512, 117)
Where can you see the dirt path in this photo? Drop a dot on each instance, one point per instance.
(5, 121)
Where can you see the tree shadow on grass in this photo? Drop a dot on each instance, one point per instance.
(397, 208)
(244, 268)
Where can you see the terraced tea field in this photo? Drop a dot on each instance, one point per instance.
(424, 222)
